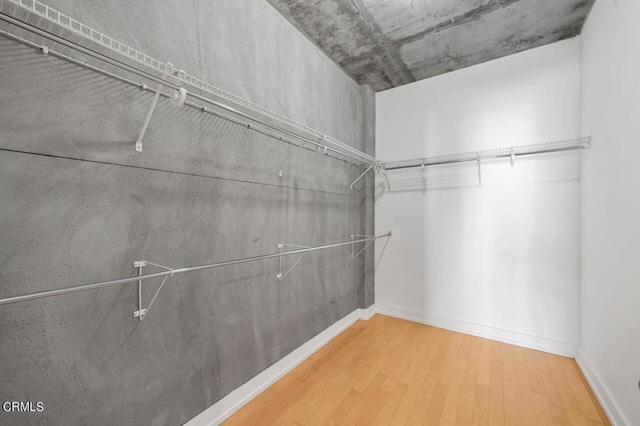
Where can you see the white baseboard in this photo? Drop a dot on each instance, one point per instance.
(507, 336)
(609, 405)
(231, 403)
(366, 314)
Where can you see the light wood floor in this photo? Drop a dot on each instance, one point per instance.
(390, 371)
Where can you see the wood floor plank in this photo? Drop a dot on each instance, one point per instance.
(464, 417)
(603, 417)
(436, 404)
(467, 398)
(496, 386)
(340, 412)
(362, 403)
(556, 405)
(388, 371)
(585, 402)
(510, 388)
(423, 399)
(565, 391)
(390, 407)
(484, 367)
(481, 405)
(525, 396)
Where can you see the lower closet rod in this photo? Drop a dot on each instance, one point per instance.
(65, 290)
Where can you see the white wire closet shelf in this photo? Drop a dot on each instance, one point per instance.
(490, 154)
(39, 23)
(170, 272)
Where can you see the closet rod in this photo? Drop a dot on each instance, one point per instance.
(513, 152)
(323, 145)
(137, 278)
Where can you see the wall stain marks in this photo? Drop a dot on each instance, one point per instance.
(388, 44)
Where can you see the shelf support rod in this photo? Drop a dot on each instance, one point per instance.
(361, 176)
(148, 119)
(103, 284)
(479, 173)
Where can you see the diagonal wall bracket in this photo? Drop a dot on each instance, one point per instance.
(353, 256)
(386, 176)
(140, 264)
(147, 120)
(280, 276)
(361, 176)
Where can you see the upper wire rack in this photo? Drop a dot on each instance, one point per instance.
(169, 70)
(549, 147)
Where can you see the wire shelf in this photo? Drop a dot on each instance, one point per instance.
(514, 151)
(166, 69)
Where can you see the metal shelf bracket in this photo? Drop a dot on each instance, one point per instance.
(361, 176)
(177, 99)
(280, 276)
(141, 313)
(353, 256)
(147, 119)
(386, 176)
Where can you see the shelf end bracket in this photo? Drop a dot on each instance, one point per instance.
(373, 238)
(361, 176)
(280, 276)
(147, 120)
(141, 313)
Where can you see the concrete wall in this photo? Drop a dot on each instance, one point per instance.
(79, 205)
(609, 324)
(500, 260)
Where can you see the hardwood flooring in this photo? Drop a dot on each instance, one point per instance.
(388, 371)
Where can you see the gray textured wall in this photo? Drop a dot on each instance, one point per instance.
(78, 205)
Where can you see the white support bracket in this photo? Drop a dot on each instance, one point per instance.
(361, 176)
(479, 173)
(280, 276)
(386, 176)
(178, 97)
(142, 312)
(148, 119)
(353, 256)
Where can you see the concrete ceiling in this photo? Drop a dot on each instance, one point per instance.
(388, 43)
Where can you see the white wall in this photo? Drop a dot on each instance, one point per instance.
(501, 260)
(610, 265)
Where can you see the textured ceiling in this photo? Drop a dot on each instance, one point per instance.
(388, 43)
